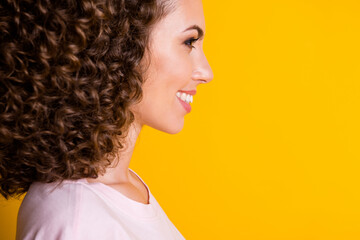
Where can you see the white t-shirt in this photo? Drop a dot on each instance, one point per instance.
(79, 210)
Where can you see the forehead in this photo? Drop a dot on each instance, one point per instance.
(184, 14)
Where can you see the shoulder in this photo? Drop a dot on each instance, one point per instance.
(71, 210)
(53, 210)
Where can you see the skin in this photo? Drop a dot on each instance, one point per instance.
(171, 63)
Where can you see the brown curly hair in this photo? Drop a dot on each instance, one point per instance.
(68, 75)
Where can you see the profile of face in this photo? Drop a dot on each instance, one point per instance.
(176, 65)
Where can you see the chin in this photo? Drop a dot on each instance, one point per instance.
(171, 127)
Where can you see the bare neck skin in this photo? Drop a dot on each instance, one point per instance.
(120, 174)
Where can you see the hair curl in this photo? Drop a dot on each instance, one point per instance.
(68, 75)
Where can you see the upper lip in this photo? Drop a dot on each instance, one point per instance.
(191, 92)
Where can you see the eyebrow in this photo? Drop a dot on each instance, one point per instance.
(197, 28)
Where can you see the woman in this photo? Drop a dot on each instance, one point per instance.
(79, 79)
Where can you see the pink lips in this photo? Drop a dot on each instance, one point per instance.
(191, 92)
(186, 106)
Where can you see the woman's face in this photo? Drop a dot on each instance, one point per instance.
(177, 65)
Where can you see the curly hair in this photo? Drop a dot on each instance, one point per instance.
(68, 75)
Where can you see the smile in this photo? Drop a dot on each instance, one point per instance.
(185, 98)
(188, 98)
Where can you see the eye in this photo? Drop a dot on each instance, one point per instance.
(190, 42)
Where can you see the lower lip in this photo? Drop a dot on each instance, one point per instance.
(186, 106)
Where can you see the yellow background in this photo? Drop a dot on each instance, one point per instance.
(271, 148)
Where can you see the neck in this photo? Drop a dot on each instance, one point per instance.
(118, 171)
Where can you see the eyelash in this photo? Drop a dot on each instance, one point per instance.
(190, 41)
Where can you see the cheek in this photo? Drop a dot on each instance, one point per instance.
(174, 69)
(173, 74)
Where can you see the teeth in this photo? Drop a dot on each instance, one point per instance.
(185, 97)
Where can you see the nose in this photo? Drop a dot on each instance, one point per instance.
(203, 71)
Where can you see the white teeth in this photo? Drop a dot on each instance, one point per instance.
(185, 97)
